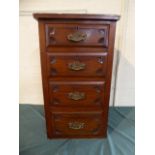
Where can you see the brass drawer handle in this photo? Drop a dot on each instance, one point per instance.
(76, 66)
(76, 95)
(76, 125)
(77, 36)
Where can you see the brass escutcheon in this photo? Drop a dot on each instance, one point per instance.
(76, 125)
(76, 95)
(77, 36)
(76, 66)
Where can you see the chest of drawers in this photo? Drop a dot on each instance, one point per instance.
(76, 53)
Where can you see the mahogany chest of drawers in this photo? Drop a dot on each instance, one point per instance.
(76, 53)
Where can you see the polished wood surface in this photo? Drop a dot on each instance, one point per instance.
(77, 124)
(93, 93)
(51, 16)
(73, 65)
(95, 35)
(76, 52)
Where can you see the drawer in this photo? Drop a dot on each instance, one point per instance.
(76, 93)
(76, 34)
(77, 64)
(77, 124)
(76, 52)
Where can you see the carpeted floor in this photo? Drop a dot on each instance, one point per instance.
(120, 140)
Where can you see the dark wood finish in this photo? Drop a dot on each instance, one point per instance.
(94, 64)
(67, 17)
(95, 35)
(93, 93)
(75, 124)
(76, 53)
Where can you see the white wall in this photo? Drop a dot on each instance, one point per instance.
(125, 86)
(123, 72)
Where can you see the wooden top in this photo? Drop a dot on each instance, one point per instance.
(45, 16)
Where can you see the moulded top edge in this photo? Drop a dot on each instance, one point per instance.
(45, 16)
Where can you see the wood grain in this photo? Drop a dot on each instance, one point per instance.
(76, 76)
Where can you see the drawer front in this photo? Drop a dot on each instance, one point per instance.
(77, 35)
(77, 124)
(73, 65)
(76, 93)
